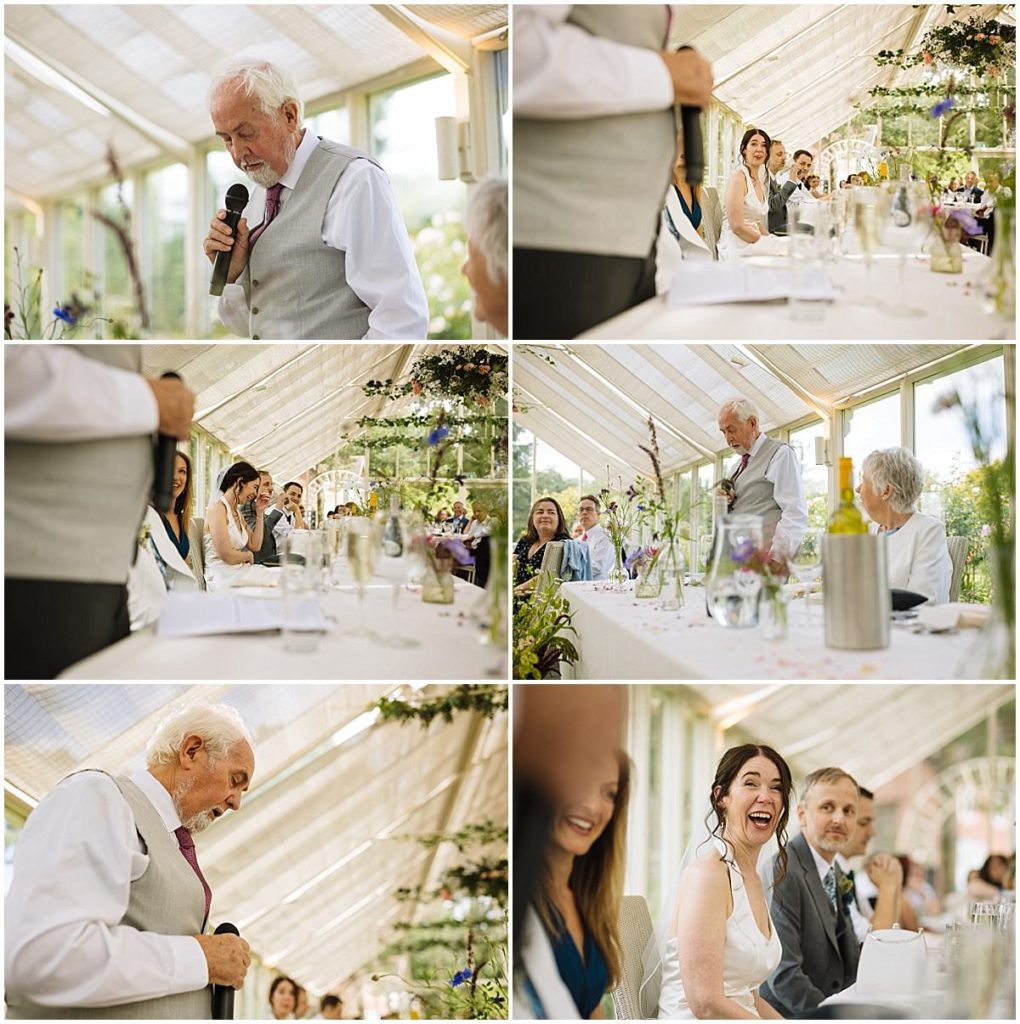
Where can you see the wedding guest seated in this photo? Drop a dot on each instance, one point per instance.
(228, 540)
(994, 194)
(283, 994)
(459, 519)
(855, 179)
(577, 897)
(351, 509)
(689, 225)
(442, 517)
(916, 551)
(969, 192)
(163, 560)
(990, 878)
(545, 523)
(599, 543)
(331, 1008)
(576, 531)
(480, 525)
(814, 186)
(488, 253)
(746, 214)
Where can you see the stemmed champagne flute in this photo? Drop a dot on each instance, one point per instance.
(867, 222)
(361, 560)
(806, 563)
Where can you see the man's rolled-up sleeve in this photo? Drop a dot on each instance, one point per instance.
(64, 945)
(364, 220)
(53, 393)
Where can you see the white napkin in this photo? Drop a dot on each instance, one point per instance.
(956, 615)
(705, 284)
(202, 614)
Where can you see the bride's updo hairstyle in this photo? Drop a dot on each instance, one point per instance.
(746, 138)
(729, 768)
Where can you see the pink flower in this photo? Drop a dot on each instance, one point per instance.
(483, 401)
(993, 71)
(995, 40)
(415, 388)
(484, 369)
(927, 58)
(467, 366)
(979, 37)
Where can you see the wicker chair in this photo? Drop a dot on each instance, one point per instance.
(629, 1002)
(958, 548)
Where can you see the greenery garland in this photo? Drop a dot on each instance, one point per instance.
(479, 834)
(976, 43)
(472, 375)
(481, 700)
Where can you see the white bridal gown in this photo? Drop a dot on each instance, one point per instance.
(748, 959)
(755, 211)
(218, 574)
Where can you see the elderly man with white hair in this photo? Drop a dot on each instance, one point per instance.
(916, 550)
(766, 481)
(322, 250)
(108, 906)
(486, 265)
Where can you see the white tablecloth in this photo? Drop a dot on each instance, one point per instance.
(620, 637)
(448, 646)
(953, 304)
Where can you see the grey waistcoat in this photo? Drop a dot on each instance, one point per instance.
(295, 284)
(754, 494)
(167, 899)
(596, 185)
(73, 509)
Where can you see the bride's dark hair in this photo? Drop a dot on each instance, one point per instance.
(728, 769)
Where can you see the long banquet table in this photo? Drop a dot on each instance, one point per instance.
(953, 308)
(620, 637)
(448, 645)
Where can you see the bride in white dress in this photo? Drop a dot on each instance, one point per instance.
(716, 942)
(227, 541)
(746, 214)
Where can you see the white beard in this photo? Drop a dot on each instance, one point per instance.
(199, 821)
(265, 175)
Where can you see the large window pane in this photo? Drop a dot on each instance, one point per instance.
(952, 490)
(334, 125)
(166, 217)
(556, 477)
(115, 284)
(816, 478)
(404, 142)
(706, 487)
(71, 221)
(871, 426)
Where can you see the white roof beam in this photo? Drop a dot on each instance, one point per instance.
(448, 50)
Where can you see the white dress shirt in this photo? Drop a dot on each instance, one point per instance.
(475, 530)
(53, 393)
(600, 547)
(860, 910)
(799, 195)
(363, 221)
(74, 864)
(562, 72)
(788, 489)
(918, 559)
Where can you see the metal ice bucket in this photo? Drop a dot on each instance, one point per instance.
(858, 602)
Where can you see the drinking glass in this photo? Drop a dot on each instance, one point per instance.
(396, 559)
(809, 229)
(867, 223)
(361, 560)
(734, 589)
(301, 579)
(906, 225)
(806, 563)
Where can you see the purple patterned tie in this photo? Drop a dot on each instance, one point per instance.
(187, 845)
(272, 209)
(744, 459)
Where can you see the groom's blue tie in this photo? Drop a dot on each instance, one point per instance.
(830, 888)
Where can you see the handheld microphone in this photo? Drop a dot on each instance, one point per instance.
(223, 995)
(163, 482)
(694, 146)
(235, 202)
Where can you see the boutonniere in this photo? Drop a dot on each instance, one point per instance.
(846, 892)
(144, 533)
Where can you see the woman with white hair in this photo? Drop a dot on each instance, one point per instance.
(486, 265)
(917, 554)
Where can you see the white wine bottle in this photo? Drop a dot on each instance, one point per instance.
(847, 518)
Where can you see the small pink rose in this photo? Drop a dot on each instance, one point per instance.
(980, 37)
(483, 401)
(995, 40)
(927, 57)
(415, 388)
(993, 71)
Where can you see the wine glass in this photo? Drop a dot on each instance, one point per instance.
(867, 223)
(907, 223)
(395, 561)
(301, 561)
(806, 563)
(361, 560)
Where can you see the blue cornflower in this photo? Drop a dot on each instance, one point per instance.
(459, 978)
(62, 314)
(437, 435)
(943, 107)
(743, 551)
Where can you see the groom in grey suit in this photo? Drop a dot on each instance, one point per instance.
(809, 908)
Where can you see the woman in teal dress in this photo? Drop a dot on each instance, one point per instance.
(579, 893)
